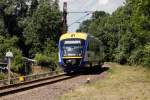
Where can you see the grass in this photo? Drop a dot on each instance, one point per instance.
(121, 83)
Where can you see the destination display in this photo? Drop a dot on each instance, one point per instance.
(72, 42)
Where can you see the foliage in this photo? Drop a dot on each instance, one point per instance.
(146, 57)
(18, 64)
(10, 44)
(28, 29)
(43, 26)
(7, 44)
(46, 61)
(2, 76)
(125, 33)
(42, 59)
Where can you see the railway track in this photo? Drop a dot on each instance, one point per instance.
(15, 88)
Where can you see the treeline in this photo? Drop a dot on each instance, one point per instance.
(29, 28)
(125, 33)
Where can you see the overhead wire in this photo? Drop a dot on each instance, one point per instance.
(81, 11)
(83, 17)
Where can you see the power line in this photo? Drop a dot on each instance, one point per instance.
(77, 21)
(80, 12)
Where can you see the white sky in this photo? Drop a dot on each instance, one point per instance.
(88, 5)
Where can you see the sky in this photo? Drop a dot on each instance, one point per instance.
(108, 6)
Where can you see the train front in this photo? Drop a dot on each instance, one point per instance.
(71, 52)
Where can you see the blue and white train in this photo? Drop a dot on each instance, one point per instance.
(77, 50)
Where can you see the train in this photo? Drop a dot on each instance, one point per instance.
(78, 50)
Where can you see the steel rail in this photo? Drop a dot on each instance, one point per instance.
(27, 78)
(29, 82)
(14, 88)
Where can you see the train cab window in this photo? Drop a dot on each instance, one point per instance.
(72, 48)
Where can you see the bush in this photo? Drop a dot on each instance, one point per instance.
(18, 64)
(136, 57)
(46, 61)
(2, 76)
(146, 61)
(121, 57)
(146, 57)
(10, 44)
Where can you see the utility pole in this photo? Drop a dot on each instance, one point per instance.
(65, 27)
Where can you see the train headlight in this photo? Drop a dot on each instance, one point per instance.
(71, 61)
(68, 61)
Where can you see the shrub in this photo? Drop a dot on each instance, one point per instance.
(2, 76)
(121, 57)
(18, 64)
(10, 44)
(146, 57)
(46, 61)
(136, 57)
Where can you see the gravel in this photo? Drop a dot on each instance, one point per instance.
(53, 91)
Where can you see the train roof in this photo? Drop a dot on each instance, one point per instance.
(74, 35)
(78, 35)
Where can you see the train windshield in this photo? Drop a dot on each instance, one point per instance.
(72, 47)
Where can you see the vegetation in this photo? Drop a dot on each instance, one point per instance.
(2, 76)
(29, 28)
(47, 61)
(125, 33)
(121, 82)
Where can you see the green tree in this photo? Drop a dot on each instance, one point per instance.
(125, 34)
(42, 26)
(29, 29)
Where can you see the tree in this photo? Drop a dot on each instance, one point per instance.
(44, 25)
(29, 27)
(125, 34)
